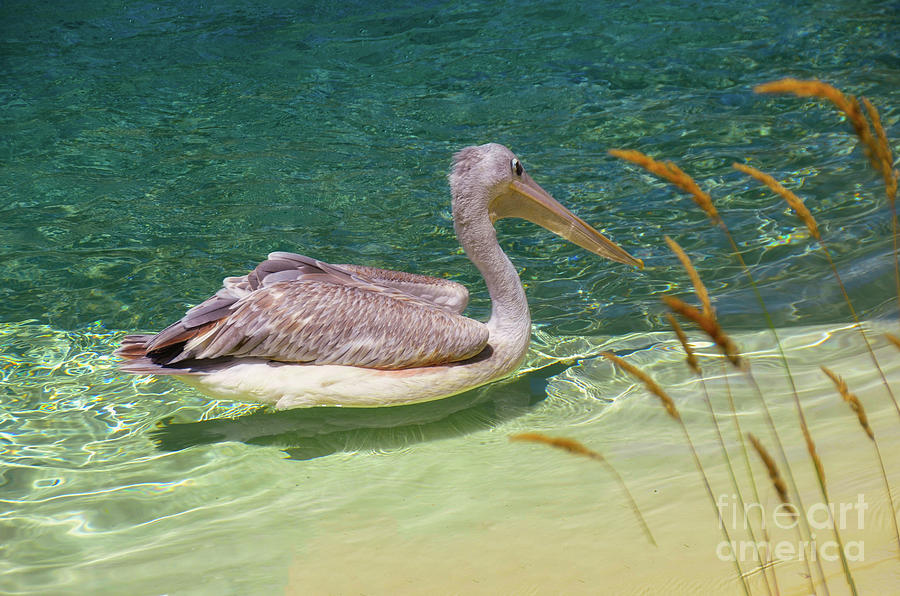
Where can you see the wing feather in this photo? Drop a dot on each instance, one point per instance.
(292, 308)
(326, 323)
(441, 292)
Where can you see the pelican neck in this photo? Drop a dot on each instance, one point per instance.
(510, 318)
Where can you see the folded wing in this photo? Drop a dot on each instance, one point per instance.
(295, 309)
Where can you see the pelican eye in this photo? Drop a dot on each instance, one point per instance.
(517, 166)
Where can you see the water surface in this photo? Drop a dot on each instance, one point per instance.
(147, 150)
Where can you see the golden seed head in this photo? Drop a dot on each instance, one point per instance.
(673, 174)
(709, 325)
(570, 445)
(852, 400)
(876, 147)
(688, 351)
(893, 339)
(699, 288)
(648, 382)
(793, 200)
(774, 474)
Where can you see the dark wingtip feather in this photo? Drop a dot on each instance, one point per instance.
(146, 366)
(133, 351)
(141, 366)
(133, 346)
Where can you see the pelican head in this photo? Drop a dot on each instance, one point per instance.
(489, 182)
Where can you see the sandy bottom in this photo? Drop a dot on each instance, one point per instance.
(548, 522)
(107, 498)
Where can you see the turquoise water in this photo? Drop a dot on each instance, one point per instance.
(147, 150)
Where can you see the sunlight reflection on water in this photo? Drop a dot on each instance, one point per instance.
(149, 150)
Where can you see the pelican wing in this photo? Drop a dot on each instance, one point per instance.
(295, 309)
(441, 292)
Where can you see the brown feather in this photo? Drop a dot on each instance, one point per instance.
(291, 308)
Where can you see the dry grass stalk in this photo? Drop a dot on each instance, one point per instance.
(699, 288)
(691, 358)
(694, 365)
(857, 407)
(793, 200)
(851, 399)
(669, 404)
(875, 146)
(801, 210)
(883, 157)
(746, 457)
(847, 104)
(573, 446)
(709, 325)
(570, 445)
(807, 217)
(774, 474)
(885, 160)
(667, 170)
(649, 383)
(811, 448)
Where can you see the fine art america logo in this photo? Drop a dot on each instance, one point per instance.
(820, 516)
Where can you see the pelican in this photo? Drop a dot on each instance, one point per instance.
(298, 332)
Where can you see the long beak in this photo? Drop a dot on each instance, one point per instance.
(526, 199)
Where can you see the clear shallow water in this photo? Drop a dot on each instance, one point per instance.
(147, 151)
